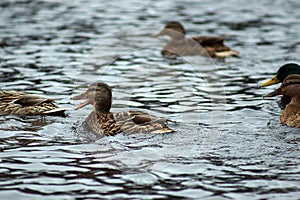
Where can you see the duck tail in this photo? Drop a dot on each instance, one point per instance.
(57, 112)
(224, 54)
(164, 130)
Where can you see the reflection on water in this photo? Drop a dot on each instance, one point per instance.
(229, 143)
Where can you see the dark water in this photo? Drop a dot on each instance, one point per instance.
(229, 143)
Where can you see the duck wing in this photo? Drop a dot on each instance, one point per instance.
(145, 118)
(33, 100)
(215, 46)
(209, 41)
(136, 121)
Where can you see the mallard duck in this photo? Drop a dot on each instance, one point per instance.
(290, 87)
(21, 103)
(282, 73)
(103, 122)
(201, 45)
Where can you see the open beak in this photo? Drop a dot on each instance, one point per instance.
(274, 93)
(272, 81)
(81, 97)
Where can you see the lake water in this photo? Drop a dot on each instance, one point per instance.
(229, 142)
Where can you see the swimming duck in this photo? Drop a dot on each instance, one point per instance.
(21, 103)
(282, 73)
(290, 87)
(103, 122)
(201, 45)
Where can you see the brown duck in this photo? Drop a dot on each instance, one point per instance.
(290, 87)
(21, 103)
(103, 122)
(201, 45)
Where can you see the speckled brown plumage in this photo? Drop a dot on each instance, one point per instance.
(201, 45)
(290, 87)
(21, 103)
(103, 122)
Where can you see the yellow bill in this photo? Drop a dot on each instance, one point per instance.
(272, 81)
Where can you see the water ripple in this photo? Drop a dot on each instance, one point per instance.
(229, 143)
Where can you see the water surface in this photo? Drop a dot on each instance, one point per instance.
(229, 143)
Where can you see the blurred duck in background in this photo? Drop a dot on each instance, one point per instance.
(180, 45)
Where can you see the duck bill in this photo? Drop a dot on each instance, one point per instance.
(81, 105)
(161, 33)
(272, 81)
(274, 93)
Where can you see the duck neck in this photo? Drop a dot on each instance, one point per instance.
(102, 107)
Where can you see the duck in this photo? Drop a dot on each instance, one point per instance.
(283, 72)
(102, 122)
(180, 45)
(290, 116)
(22, 103)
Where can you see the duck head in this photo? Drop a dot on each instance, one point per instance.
(282, 73)
(99, 95)
(173, 29)
(289, 87)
